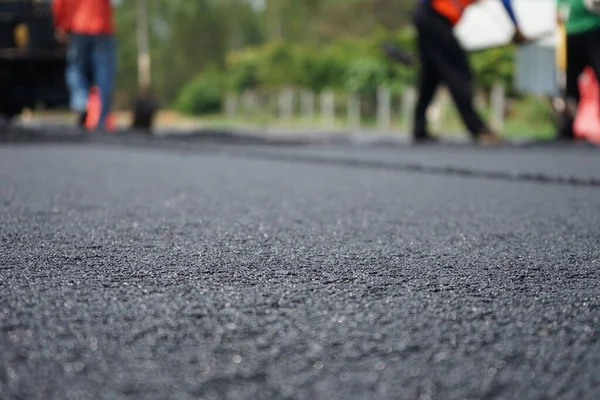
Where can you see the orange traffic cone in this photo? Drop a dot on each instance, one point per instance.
(94, 108)
(587, 120)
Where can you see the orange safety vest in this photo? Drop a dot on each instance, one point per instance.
(91, 17)
(451, 9)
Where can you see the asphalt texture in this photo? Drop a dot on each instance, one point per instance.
(143, 269)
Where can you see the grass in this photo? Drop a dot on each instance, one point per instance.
(513, 127)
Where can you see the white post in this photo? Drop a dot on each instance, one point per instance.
(497, 105)
(409, 100)
(231, 105)
(286, 103)
(444, 105)
(480, 102)
(433, 115)
(308, 104)
(143, 46)
(249, 101)
(384, 101)
(245, 101)
(328, 108)
(353, 110)
(435, 112)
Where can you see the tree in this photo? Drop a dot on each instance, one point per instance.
(186, 37)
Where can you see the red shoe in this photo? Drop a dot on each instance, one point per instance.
(94, 109)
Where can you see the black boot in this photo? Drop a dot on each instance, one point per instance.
(425, 139)
(422, 136)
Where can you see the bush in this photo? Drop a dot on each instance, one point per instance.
(322, 67)
(278, 64)
(204, 95)
(349, 64)
(493, 65)
(242, 68)
(365, 75)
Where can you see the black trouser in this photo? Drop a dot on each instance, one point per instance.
(443, 60)
(583, 50)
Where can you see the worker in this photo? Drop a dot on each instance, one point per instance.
(581, 20)
(87, 27)
(443, 60)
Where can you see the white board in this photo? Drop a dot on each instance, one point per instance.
(486, 24)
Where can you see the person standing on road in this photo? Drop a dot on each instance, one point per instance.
(87, 26)
(444, 60)
(581, 20)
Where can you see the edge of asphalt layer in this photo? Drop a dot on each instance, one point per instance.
(267, 136)
(181, 140)
(56, 133)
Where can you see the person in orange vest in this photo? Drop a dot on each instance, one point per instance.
(88, 28)
(443, 60)
(581, 20)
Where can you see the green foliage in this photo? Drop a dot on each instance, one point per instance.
(349, 64)
(322, 67)
(314, 44)
(278, 64)
(533, 108)
(492, 66)
(203, 95)
(185, 37)
(242, 69)
(365, 75)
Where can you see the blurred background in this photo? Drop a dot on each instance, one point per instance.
(318, 63)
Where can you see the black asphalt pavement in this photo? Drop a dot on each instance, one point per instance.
(157, 269)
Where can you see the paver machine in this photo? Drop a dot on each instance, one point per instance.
(32, 62)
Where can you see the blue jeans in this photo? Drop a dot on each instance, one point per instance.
(91, 60)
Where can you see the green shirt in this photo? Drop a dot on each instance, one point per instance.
(578, 18)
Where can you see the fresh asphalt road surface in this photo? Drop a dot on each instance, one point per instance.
(232, 272)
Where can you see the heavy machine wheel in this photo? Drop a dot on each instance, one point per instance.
(32, 63)
(145, 108)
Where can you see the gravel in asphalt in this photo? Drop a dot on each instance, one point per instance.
(142, 273)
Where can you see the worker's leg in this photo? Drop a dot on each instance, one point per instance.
(76, 72)
(428, 83)
(457, 75)
(451, 64)
(576, 62)
(427, 23)
(104, 59)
